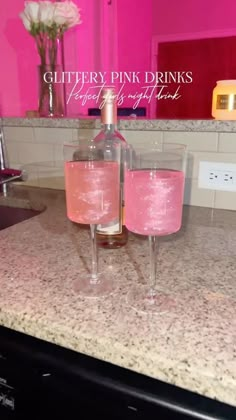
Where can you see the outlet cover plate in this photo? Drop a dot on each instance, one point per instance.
(217, 176)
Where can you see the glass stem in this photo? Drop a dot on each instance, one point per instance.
(152, 253)
(94, 253)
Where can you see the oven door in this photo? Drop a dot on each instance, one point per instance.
(39, 380)
(92, 389)
(19, 390)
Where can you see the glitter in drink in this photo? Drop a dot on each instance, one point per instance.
(92, 191)
(154, 201)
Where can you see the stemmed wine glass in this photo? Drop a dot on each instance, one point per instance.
(154, 188)
(92, 183)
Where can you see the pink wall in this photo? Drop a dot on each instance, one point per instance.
(115, 39)
(82, 46)
(170, 17)
(134, 41)
(19, 57)
(18, 82)
(111, 37)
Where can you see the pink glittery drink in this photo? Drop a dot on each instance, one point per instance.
(92, 181)
(92, 191)
(154, 189)
(154, 201)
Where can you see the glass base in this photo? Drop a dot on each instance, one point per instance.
(89, 287)
(143, 299)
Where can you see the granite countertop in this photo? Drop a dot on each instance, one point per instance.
(129, 123)
(192, 346)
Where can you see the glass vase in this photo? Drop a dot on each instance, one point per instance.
(51, 91)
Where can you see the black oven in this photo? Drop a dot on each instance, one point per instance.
(39, 380)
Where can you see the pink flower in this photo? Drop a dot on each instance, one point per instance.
(66, 13)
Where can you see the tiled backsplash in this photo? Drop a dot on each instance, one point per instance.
(42, 148)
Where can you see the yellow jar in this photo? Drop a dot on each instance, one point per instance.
(224, 100)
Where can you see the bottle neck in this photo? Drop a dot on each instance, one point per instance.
(111, 128)
(109, 113)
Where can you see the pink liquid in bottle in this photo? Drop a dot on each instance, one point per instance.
(154, 201)
(92, 191)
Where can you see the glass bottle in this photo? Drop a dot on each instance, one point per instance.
(114, 236)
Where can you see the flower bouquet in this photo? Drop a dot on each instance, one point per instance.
(47, 21)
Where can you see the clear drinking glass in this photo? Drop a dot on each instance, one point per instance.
(154, 188)
(92, 182)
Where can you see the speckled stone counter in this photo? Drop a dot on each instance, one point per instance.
(192, 346)
(207, 125)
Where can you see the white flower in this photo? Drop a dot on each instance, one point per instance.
(66, 13)
(30, 14)
(46, 12)
(26, 21)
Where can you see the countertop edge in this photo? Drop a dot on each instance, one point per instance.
(173, 375)
(208, 125)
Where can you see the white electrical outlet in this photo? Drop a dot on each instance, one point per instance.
(217, 176)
